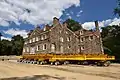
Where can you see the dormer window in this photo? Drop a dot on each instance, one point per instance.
(81, 32)
(82, 39)
(34, 33)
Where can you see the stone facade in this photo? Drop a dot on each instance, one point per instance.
(59, 39)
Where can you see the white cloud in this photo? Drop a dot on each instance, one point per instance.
(16, 31)
(88, 25)
(71, 12)
(33, 11)
(79, 13)
(67, 14)
(6, 38)
(116, 21)
(91, 25)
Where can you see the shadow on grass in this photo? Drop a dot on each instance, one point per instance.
(35, 77)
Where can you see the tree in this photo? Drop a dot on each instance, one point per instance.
(17, 42)
(117, 9)
(111, 39)
(0, 36)
(0, 43)
(6, 47)
(73, 25)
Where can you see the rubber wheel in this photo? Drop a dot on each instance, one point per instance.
(38, 62)
(107, 63)
(31, 62)
(42, 62)
(52, 63)
(57, 63)
(66, 62)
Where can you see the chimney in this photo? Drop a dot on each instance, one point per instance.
(30, 32)
(55, 20)
(65, 24)
(37, 26)
(96, 26)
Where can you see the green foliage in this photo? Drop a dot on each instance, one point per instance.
(13, 47)
(18, 43)
(111, 39)
(73, 25)
(117, 9)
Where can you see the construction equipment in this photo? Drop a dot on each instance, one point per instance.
(57, 59)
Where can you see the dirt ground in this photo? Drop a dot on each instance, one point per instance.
(11, 70)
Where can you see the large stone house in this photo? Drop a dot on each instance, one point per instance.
(59, 39)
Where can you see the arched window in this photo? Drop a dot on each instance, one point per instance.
(81, 32)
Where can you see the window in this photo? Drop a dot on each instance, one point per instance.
(52, 47)
(45, 37)
(61, 49)
(61, 39)
(37, 39)
(81, 32)
(90, 37)
(24, 50)
(66, 32)
(27, 49)
(60, 31)
(82, 48)
(33, 39)
(26, 42)
(44, 29)
(30, 41)
(42, 37)
(68, 38)
(82, 39)
(38, 48)
(44, 47)
(69, 47)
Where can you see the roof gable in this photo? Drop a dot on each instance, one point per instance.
(35, 32)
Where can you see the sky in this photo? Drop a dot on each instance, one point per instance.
(20, 16)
